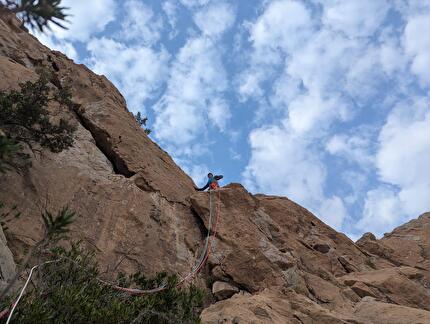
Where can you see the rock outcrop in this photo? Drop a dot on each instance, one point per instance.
(129, 194)
(7, 264)
(271, 261)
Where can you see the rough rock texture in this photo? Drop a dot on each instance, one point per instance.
(373, 312)
(138, 210)
(223, 290)
(129, 194)
(7, 264)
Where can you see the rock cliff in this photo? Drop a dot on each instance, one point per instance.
(272, 261)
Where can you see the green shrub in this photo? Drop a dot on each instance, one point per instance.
(8, 148)
(25, 118)
(142, 122)
(24, 115)
(67, 291)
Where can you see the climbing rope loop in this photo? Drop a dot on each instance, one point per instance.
(212, 229)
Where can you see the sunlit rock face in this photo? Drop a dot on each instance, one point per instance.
(271, 260)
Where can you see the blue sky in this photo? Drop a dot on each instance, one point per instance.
(326, 102)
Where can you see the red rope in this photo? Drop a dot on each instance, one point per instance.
(190, 276)
(4, 312)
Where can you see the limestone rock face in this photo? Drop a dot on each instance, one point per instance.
(223, 290)
(138, 211)
(270, 244)
(7, 264)
(130, 196)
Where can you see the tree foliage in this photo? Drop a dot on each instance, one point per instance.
(25, 118)
(55, 229)
(142, 122)
(67, 291)
(38, 13)
(8, 149)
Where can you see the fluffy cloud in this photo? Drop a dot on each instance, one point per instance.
(355, 148)
(279, 164)
(197, 81)
(283, 25)
(140, 24)
(332, 76)
(333, 212)
(282, 28)
(65, 47)
(382, 211)
(311, 112)
(404, 154)
(136, 71)
(170, 8)
(354, 18)
(402, 160)
(215, 19)
(284, 163)
(219, 113)
(86, 18)
(417, 45)
(194, 3)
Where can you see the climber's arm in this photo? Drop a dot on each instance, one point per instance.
(218, 177)
(203, 188)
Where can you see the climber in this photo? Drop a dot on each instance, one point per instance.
(212, 183)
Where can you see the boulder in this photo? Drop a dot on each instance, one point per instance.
(370, 311)
(401, 285)
(223, 290)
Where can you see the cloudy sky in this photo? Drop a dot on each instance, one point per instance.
(323, 101)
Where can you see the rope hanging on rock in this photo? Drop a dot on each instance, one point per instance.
(199, 265)
(134, 291)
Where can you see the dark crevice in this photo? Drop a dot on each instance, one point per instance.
(101, 137)
(102, 141)
(200, 223)
(298, 318)
(145, 185)
(344, 266)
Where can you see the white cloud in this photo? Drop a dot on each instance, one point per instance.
(402, 160)
(283, 25)
(170, 8)
(404, 156)
(329, 76)
(417, 46)
(382, 211)
(322, 63)
(285, 164)
(86, 18)
(333, 212)
(197, 81)
(311, 112)
(354, 18)
(355, 148)
(140, 24)
(198, 172)
(219, 113)
(281, 164)
(64, 47)
(194, 3)
(392, 59)
(215, 19)
(137, 71)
